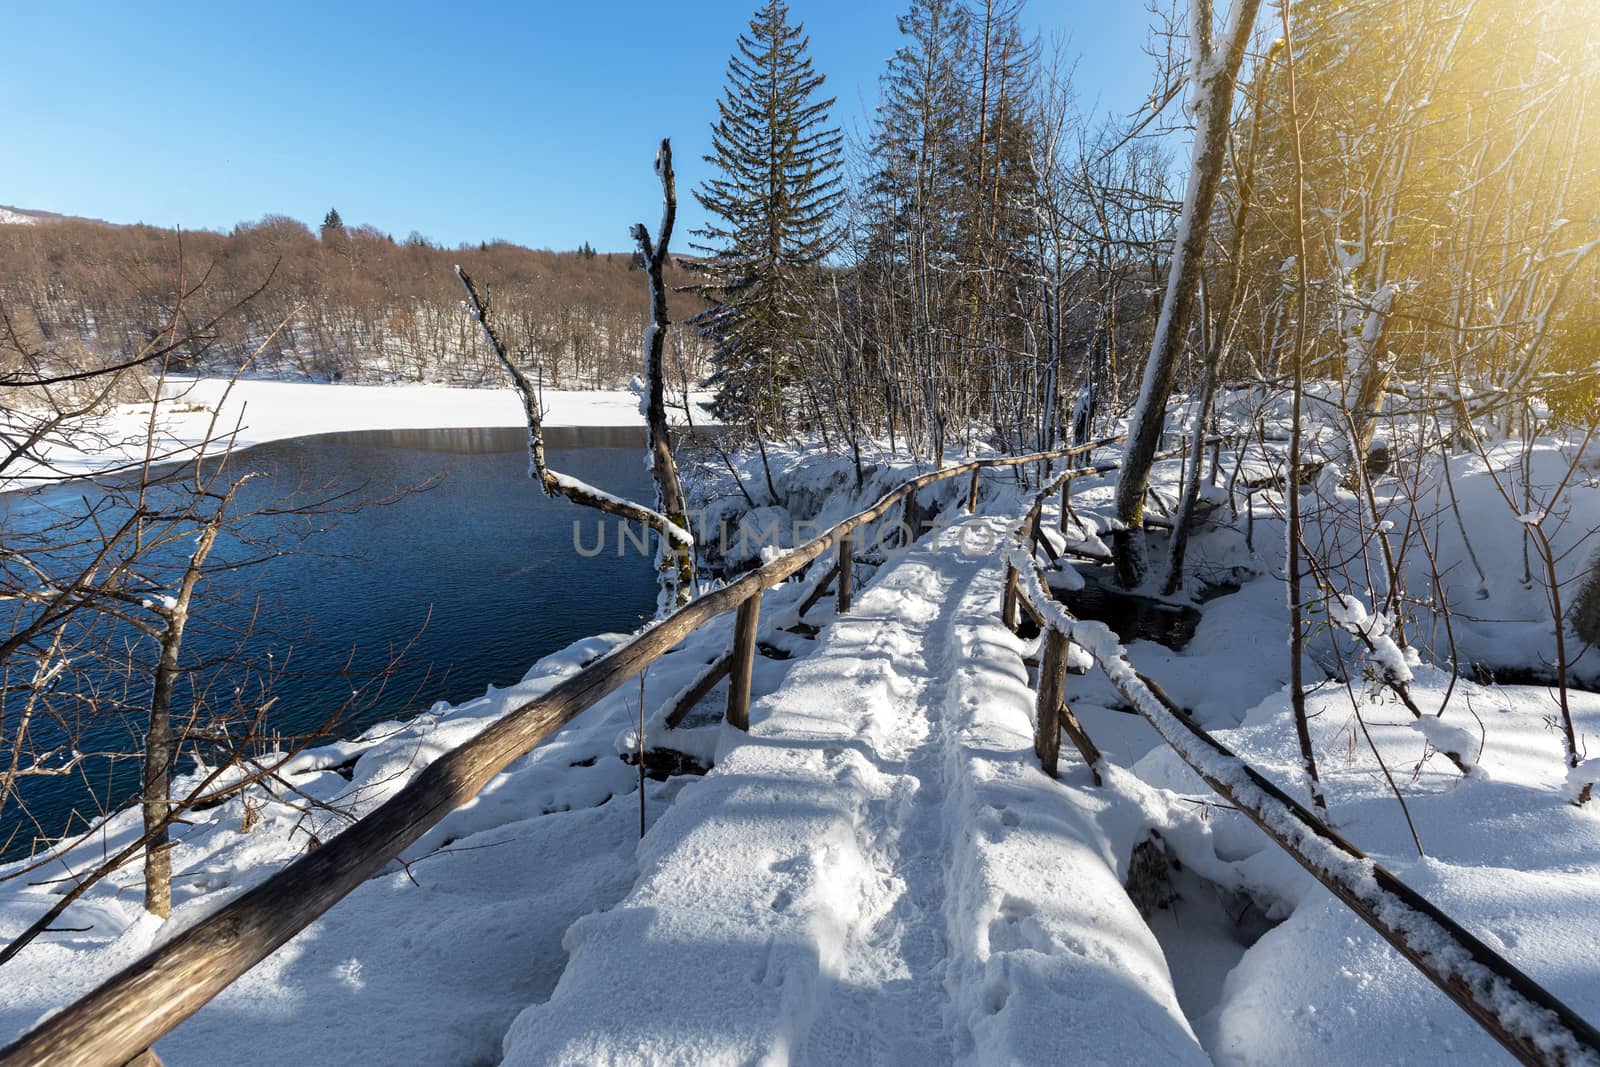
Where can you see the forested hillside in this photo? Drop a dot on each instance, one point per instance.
(344, 303)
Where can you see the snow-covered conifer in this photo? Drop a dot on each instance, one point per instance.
(772, 203)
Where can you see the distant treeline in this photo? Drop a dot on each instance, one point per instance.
(341, 304)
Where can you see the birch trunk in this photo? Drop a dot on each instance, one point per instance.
(1213, 78)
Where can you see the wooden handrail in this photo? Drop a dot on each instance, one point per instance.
(130, 1011)
(1527, 1020)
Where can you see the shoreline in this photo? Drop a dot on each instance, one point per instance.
(259, 411)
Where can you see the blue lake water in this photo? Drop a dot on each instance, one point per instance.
(476, 571)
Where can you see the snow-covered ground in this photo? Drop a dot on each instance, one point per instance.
(879, 872)
(254, 411)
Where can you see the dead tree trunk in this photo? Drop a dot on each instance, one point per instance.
(674, 559)
(1372, 351)
(1291, 491)
(160, 755)
(1217, 349)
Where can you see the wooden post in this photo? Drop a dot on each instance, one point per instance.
(972, 492)
(910, 518)
(1025, 602)
(695, 693)
(1047, 721)
(847, 570)
(744, 658)
(1066, 504)
(1008, 603)
(1039, 540)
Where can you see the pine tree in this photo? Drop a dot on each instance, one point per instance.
(772, 204)
(914, 199)
(917, 135)
(332, 223)
(954, 223)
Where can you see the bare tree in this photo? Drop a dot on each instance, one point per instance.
(675, 557)
(1214, 66)
(668, 520)
(1291, 491)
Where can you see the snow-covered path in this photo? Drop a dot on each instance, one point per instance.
(878, 873)
(884, 1003)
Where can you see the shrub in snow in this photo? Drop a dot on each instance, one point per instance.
(1373, 629)
(1581, 781)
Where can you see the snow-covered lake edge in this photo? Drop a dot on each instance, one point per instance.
(573, 786)
(255, 411)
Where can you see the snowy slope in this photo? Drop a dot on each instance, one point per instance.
(424, 965)
(1506, 855)
(428, 963)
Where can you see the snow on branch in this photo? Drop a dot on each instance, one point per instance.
(1373, 629)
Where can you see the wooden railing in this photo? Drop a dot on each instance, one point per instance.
(1529, 1021)
(130, 1011)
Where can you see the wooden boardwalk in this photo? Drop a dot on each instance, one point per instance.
(820, 892)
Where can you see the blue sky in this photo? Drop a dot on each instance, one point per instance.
(532, 121)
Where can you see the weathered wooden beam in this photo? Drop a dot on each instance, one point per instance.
(1025, 602)
(742, 662)
(691, 696)
(1008, 601)
(820, 590)
(972, 491)
(1073, 728)
(1041, 541)
(1047, 718)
